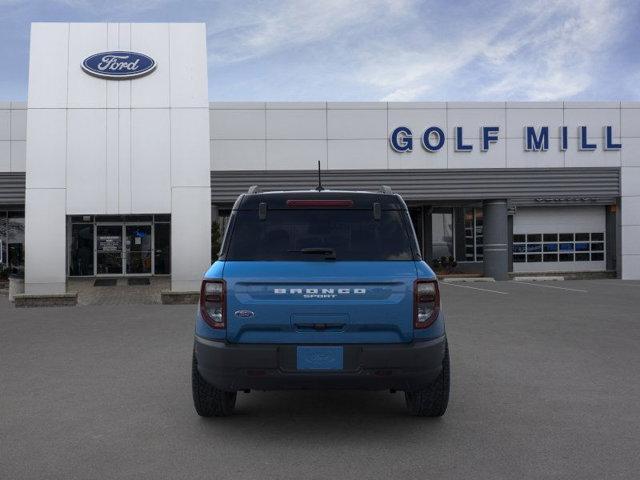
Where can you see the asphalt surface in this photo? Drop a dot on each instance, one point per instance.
(546, 384)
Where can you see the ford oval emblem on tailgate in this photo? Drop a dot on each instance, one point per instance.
(244, 313)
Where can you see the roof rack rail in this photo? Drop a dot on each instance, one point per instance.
(385, 189)
(253, 189)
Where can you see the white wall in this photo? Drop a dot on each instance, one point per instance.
(630, 208)
(122, 147)
(355, 135)
(13, 135)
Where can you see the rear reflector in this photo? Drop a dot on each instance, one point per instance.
(319, 203)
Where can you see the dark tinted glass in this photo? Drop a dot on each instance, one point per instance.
(534, 237)
(582, 237)
(598, 237)
(162, 248)
(81, 250)
(550, 237)
(351, 234)
(518, 238)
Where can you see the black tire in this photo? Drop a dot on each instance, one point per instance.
(433, 400)
(207, 399)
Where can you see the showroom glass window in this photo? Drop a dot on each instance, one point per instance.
(81, 248)
(12, 239)
(442, 232)
(473, 234)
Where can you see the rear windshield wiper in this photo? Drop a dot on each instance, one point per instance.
(329, 253)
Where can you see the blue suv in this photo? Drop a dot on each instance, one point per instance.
(320, 289)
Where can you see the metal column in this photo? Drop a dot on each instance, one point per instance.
(496, 258)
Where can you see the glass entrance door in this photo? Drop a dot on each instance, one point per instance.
(109, 250)
(139, 249)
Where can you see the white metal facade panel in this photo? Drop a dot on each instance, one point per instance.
(86, 161)
(154, 90)
(189, 145)
(48, 57)
(45, 237)
(85, 91)
(238, 124)
(305, 154)
(150, 160)
(188, 90)
(13, 134)
(190, 236)
(47, 152)
(5, 156)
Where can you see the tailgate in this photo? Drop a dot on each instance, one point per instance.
(318, 302)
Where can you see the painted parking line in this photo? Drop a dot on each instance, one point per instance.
(472, 288)
(617, 283)
(551, 286)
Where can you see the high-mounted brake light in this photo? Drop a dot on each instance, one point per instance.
(319, 203)
(213, 303)
(426, 303)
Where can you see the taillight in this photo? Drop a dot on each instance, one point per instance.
(426, 303)
(212, 303)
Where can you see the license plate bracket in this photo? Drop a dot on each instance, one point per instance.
(322, 358)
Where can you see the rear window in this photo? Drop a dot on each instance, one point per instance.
(316, 234)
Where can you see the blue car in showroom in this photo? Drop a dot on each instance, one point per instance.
(320, 289)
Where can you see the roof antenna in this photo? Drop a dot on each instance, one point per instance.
(320, 188)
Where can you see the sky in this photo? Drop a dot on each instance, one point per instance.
(377, 50)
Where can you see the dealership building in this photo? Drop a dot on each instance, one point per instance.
(118, 164)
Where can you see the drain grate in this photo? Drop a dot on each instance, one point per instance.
(105, 282)
(138, 281)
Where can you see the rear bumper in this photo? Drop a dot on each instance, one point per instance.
(234, 367)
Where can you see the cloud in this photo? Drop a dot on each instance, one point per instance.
(134, 6)
(256, 32)
(544, 50)
(555, 56)
(392, 50)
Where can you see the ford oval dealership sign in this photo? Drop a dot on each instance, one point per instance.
(118, 65)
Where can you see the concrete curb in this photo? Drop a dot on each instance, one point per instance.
(550, 278)
(469, 280)
(23, 300)
(179, 298)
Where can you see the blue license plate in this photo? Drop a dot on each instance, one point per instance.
(319, 358)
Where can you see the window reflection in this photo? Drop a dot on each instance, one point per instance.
(442, 233)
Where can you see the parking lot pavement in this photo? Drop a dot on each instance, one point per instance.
(545, 385)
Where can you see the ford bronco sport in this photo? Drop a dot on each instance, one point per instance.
(320, 289)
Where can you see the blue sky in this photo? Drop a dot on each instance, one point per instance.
(377, 49)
